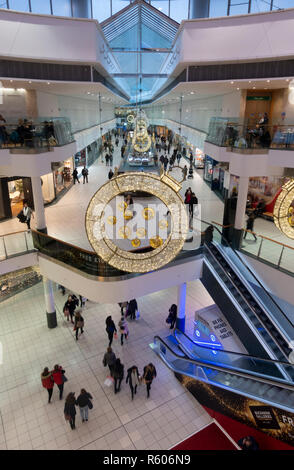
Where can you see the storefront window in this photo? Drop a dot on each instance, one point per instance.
(63, 176)
(208, 168)
(16, 196)
(48, 188)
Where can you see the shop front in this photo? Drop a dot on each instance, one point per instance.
(13, 191)
(62, 176)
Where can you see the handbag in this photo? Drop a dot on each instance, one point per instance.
(64, 378)
(109, 381)
(67, 417)
(90, 404)
(137, 315)
(66, 313)
(80, 324)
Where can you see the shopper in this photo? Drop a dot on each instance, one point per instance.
(179, 156)
(132, 308)
(185, 172)
(109, 360)
(172, 316)
(248, 443)
(118, 374)
(69, 308)
(85, 173)
(110, 174)
(165, 163)
(148, 375)
(107, 159)
(83, 300)
(250, 225)
(133, 378)
(111, 159)
(208, 234)
(193, 201)
(75, 176)
(70, 410)
(110, 329)
(124, 330)
(59, 378)
(84, 403)
(188, 196)
(79, 323)
(47, 382)
(28, 213)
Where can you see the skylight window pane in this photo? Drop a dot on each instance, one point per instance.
(179, 10)
(101, 9)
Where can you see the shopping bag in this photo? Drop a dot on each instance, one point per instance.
(64, 379)
(115, 335)
(137, 315)
(108, 382)
(90, 404)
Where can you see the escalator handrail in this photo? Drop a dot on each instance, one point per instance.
(248, 304)
(248, 356)
(251, 272)
(274, 382)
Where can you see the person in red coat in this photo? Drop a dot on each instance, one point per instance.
(47, 382)
(58, 377)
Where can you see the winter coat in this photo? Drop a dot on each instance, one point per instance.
(58, 376)
(149, 373)
(70, 410)
(109, 359)
(130, 377)
(123, 327)
(118, 372)
(83, 399)
(132, 307)
(47, 380)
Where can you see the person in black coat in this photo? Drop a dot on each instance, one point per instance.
(70, 409)
(118, 374)
(193, 201)
(75, 176)
(110, 174)
(248, 443)
(69, 306)
(250, 225)
(83, 402)
(132, 308)
(110, 329)
(172, 316)
(133, 378)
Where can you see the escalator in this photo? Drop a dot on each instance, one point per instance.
(259, 379)
(248, 305)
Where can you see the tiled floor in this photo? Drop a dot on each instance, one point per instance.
(116, 422)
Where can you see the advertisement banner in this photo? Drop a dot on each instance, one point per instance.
(273, 421)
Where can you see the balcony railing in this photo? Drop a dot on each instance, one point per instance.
(260, 136)
(43, 134)
(16, 243)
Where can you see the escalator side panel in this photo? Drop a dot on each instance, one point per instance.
(224, 302)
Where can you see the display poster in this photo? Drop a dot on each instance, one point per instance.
(273, 421)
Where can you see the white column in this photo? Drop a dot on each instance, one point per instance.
(241, 202)
(49, 303)
(182, 288)
(39, 204)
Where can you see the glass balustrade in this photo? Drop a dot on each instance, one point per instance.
(228, 132)
(40, 134)
(14, 244)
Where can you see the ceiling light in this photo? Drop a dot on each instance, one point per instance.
(192, 92)
(11, 81)
(249, 81)
(232, 83)
(30, 81)
(88, 93)
(48, 83)
(238, 88)
(268, 81)
(254, 88)
(287, 79)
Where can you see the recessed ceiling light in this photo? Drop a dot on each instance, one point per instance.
(287, 79)
(238, 88)
(48, 83)
(268, 81)
(254, 88)
(192, 92)
(265, 88)
(11, 81)
(30, 81)
(232, 83)
(249, 81)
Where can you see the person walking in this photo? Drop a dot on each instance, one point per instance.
(165, 163)
(107, 159)
(109, 360)
(82, 300)
(250, 225)
(79, 323)
(118, 375)
(110, 174)
(193, 201)
(75, 176)
(70, 409)
(69, 308)
(179, 156)
(185, 172)
(47, 382)
(133, 378)
(132, 308)
(148, 375)
(85, 173)
(124, 330)
(28, 213)
(110, 329)
(172, 316)
(59, 378)
(84, 403)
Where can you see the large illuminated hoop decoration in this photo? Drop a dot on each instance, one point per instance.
(164, 188)
(141, 140)
(283, 210)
